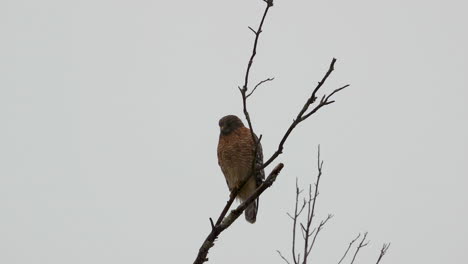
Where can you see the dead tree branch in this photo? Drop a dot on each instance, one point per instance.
(311, 210)
(281, 256)
(228, 220)
(308, 232)
(258, 84)
(224, 221)
(383, 251)
(296, 215)
(319, 228)
(303, 115)
(244, 89)
(349, 246)
(361, 245)
(306, 229)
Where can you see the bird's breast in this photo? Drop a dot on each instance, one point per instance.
(235, 155)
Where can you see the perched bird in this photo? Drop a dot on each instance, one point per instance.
(236, 150)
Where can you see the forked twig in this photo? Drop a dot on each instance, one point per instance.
(361, 245)
(383, 251)
(349, 246)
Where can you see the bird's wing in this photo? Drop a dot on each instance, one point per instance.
(260, 176)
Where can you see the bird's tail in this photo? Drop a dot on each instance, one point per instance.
(251, 212)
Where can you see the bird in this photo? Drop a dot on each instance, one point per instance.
(236, 152)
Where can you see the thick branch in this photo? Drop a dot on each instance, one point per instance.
(218, 228)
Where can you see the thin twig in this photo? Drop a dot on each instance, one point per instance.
(258, 84)
(383, 251)
(361, 245)
(281, 255)
(296, 215)
(311, 207)
(319, 228)
(212, 224)
(349, 246)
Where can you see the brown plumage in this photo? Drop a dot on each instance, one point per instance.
(236, 151)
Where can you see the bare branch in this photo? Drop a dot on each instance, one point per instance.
(322, 224)
(302, 114)
(311, 209)
(244, 95)
(303, 232)
(361, 245)
(234, 214)
(383, 251)
(302, 208)
(244, 88)
(281, 255)
(309, 235)
(349, 246)
(335, 91)
(258, 84)
(306, 228)
(296, 214)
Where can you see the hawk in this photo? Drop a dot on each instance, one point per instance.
(236, 150)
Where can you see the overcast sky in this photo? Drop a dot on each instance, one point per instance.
(109, 125)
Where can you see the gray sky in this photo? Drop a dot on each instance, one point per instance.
(109, 115)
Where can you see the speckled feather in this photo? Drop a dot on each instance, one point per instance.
(235, 155)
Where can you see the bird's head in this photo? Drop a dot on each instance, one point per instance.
(229, 123)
